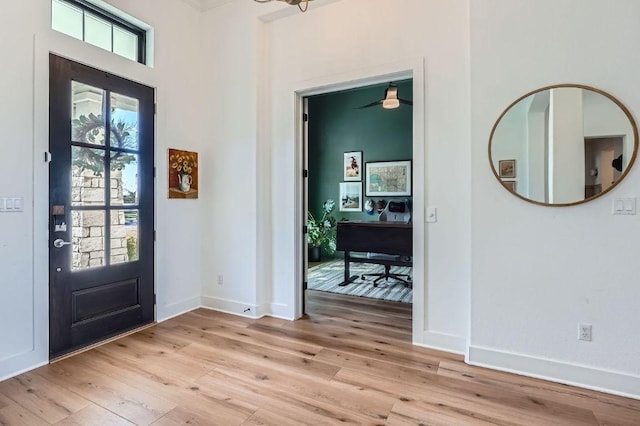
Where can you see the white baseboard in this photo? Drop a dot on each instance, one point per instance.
(173, 310)
(233, 307)
(5, 375)
(279, 310)
(443, 342)
(557, 371)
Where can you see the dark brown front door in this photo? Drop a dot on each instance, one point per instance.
(101, 196)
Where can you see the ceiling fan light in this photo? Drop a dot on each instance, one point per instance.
(390, 103)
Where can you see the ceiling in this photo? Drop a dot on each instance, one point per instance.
(207, 4)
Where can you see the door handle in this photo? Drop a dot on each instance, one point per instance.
(59, 243)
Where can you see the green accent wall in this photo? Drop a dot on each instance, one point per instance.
(336, 127)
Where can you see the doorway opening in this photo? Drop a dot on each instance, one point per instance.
(601, 156)
(358, 197)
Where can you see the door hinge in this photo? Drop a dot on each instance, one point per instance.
(47, 157)
(154, 235)
(155, 299)
(305, 285)
(154, 172)
(305, 229)
(155, 109)
(305, 173)
(305, 117)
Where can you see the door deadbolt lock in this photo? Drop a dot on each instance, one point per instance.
(59, 243)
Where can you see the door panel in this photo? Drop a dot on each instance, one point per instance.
(101, 203)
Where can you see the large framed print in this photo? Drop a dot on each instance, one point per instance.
(388, 178)
(351, 166)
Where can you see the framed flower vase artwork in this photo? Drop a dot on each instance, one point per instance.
(183, 174)
(352, 166)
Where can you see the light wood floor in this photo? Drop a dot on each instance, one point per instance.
(348, 362)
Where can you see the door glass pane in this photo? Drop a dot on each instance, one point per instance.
(124, 178)
(87, 233)
(97, 31)
(66, 19)
(88, 186)
(87, 124)
(124, 236)
(124, 121)
(125, 43)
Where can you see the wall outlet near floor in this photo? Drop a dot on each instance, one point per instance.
(220, 279)
(584, 332)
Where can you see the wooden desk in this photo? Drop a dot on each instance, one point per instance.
(373, 237)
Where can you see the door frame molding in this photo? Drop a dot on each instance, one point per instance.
(413, 68)
(78, 51)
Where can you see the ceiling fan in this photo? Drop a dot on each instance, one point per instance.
(390, 100)
(291, 2)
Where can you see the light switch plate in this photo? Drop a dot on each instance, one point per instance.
(11, 204)
(432, 214)
(624, 206)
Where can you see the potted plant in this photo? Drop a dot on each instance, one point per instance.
(321, 233)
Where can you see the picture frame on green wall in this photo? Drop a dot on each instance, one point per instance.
(350, 196)
(352, 166)
(388, 178)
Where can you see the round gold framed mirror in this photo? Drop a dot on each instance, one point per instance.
(563, 145)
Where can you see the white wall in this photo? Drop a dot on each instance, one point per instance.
(566, 146)
(294, 57)
(230, 235)
(539, 271)
(24, 122)
(510, 141)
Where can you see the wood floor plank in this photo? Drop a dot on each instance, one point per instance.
(96, 416)
(401, 334)
(182, 416)
(347, 341)
(381, 369)
(150, 377)
(122, 399)
(348, 361)
(46, 400)
(231, 352)
(624, 410)
(248, 335)
(455, 397)
(16, 415)
(295, 405)
(369, 402)
(4, 401)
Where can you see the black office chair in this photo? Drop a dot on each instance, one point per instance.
(387, 271)
(394, 211)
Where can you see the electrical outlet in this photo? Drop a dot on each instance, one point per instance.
(220, 279)
(584, 332)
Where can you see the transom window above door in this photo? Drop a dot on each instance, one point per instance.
(85, 21)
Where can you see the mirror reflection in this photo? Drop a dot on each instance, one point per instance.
(562, 145)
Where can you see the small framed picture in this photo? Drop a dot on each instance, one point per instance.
(510, 185)
(507, 168)
(183, 174)
(352, 166)
(350, 196)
